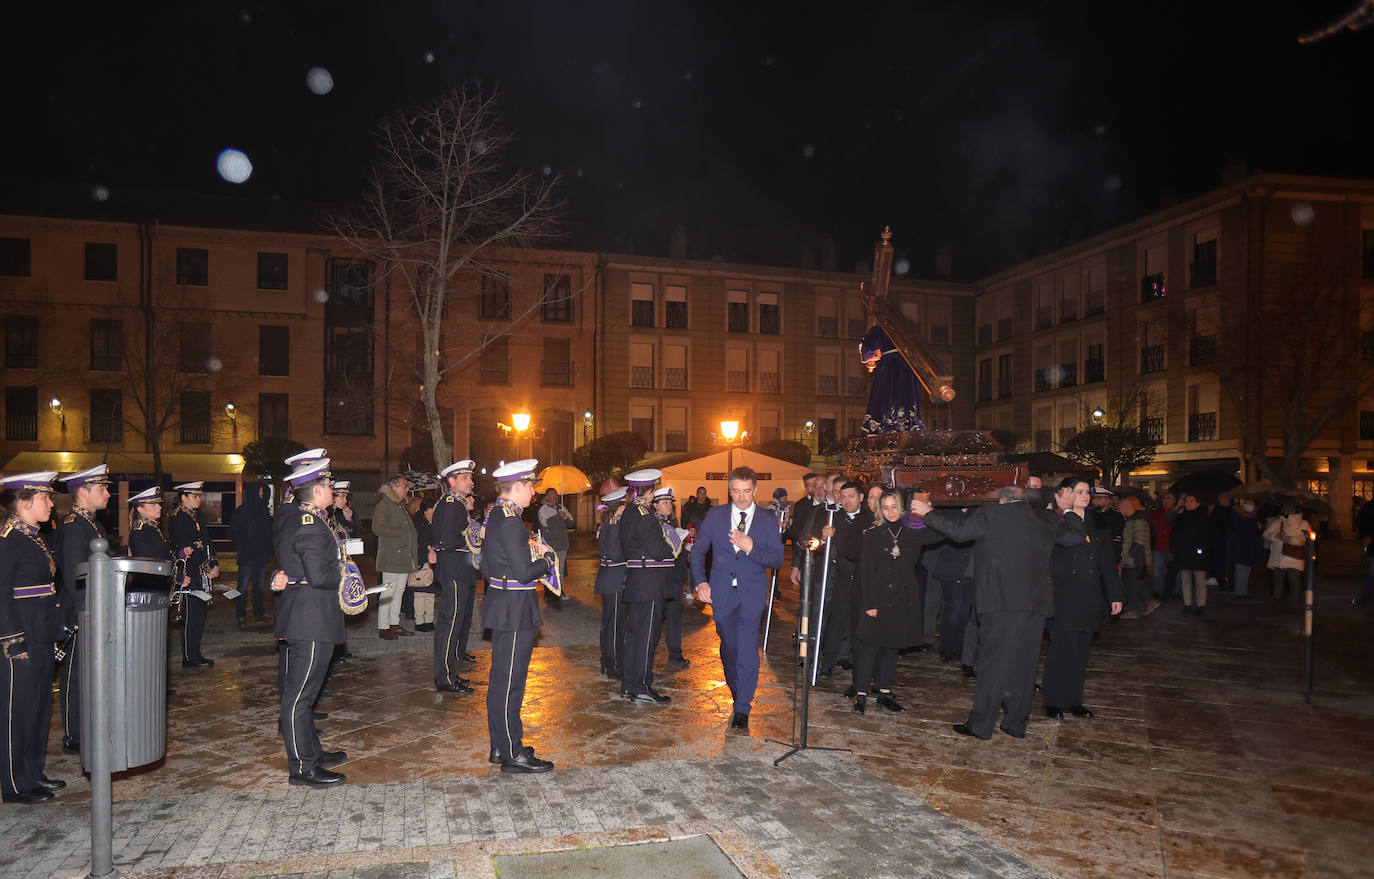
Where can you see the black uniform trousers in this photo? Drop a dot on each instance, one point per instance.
(613, 612)
(69, 689)
(1066, 667)
(192, 628)
(837, 632)
(672, 624)
(956, 602)
(453, 617)
(1008, 650)
(644, 622)
(510, 666)
(26, 685)
(873, 663)
(302, 666)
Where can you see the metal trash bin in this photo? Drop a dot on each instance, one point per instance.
(138, 664)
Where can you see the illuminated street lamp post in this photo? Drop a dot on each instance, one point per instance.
(729, 430)
(518, 428)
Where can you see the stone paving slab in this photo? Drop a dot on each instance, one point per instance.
(696, 856)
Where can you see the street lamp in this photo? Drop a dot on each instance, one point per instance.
(232, 412)
(55, 406)
(729, 431)
(1098, 414)
(586, 427)
(518, 428)
(520, 421)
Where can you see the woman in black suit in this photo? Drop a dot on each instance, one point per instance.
(890, 615)
(1086, 584)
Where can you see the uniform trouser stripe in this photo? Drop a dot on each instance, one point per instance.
(455, 612)
(9, 730)
(505, 717)
(648, 646)
(305, 681)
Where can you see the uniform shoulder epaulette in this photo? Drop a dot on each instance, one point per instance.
(71, 517)
(6, 529)
(448, 499)
(307, 519)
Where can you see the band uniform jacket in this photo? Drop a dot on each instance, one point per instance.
(1085, 579)
(610, 577)
(309, 552)
(28, 598)
(146, 541)
(1011, 567)
(643, 543)
(511, 603)
(450, 525)
(186, 534)
(889, 585)
(74, 538)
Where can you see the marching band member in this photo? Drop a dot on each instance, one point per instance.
(610, 583)
(192, 546)
(90, 491)
(457, 578)
(649, 562)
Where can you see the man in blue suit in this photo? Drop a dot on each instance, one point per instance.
(745, 541)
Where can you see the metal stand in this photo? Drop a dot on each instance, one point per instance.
(768, 617)
(99, 596)
(1308, 615)
(804, 653)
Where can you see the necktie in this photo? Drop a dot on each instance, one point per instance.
(740, 528)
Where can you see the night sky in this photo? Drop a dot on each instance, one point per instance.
(997, 130)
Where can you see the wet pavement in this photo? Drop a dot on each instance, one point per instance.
(1203, 760)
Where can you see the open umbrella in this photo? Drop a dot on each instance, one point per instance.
(1139, 494)
(1268, 492)
(1206, 484)
(564, 479)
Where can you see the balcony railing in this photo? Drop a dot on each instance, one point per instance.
(737, 380)
(1366, 425)
(770, 320)
(1152, 359)
(1367, 345)
(641, 376)
(1044, 317)
(1004, 329)
(675, 378)
(21, 427)
(1202, 426)
(1094, 371)
(675, 315)
(674, 440)
(854, 386)
(1068, 375)
(1003, 385)
(770, 383)
(738, 317)
(985, 334)
(827, 327)
(1152, 287)
(557, 375)
(1066, 434)
(195, 432)
(1068, 311)
(1154, 429)
(1202, 349)
(984, 390)
(828, 385)
(1097, 302)
(1044, 379)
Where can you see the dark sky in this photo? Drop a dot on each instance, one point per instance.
(998, 130)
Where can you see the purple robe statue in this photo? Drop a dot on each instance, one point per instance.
(894, 402)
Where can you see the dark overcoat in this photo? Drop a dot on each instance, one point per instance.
(889, 584)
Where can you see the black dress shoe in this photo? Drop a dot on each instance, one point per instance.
(318, 776)
(653, 697)
(963, 729)
(739, 721)
(171, 692)
(1014, 735)
(1080, 711)
(860, 704)
(319, 715)
(845, 664)
(1197, 611)
(827, 672)
(525, 761)
(29, 797)
(332, 758)
(922, 648)
(495, 757)
(850, 692)
(680, 660)
(202, 663)
(969, 671)
(1054, 713)
(628, 697)
(51, 783)
(460, 687)
(888, 701)
(70, 745)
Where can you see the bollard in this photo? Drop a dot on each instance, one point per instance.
(100, 594)
(1308, 614)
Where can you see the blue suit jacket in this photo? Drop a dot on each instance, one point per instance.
(749, 569)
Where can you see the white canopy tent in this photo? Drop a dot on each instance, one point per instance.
(712, 470)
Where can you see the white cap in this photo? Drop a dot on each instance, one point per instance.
(40, 480)
(343, 486)
(147, 496)
(457, 468)
(1100, 491)
(305, 457)
(190, 487)
(516, 470)
(612, 497)
(664, 494)
(97, 475)
(642, 478)
(311, 471)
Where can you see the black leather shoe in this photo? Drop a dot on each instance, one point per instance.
(739, 721)
(922, 648)
(628, 697)
(963, 729)
(320, 715)
(525, 762)
(494, 757)
(1054, 713)
(889, 701)
(653, 697)
(680, 660)
(1014, 735)
(318, 776)
(171, 692)
(850, 692)
(332, 758)
(460, 687)
(1197, 611)
(70, 745)
(203, 663)
(969, 671)
(1080, 711)
(860, 704)
(51, 783)
(845, 664)
(28, 798)
(827, 672)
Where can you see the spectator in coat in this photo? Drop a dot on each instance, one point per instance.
(1162, 524)
(423, 517)
(1286, 536)
(396, 540)
(1191, 544)
(1136, 559)
(251, 531)
(1244, 545)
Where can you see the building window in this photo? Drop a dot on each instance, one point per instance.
(675, 307)
(985, 334)
(1003, 328)
(1095, 367)
(1004, 376)
(1202, 427)
(674, 429)
(195, 417)
(1202, 349)
(271, 271)
(827, 323)
(770, 315)
(827, 375)
(107, 345)
(15, 258)
(496, 363)
(193, 266)
(827, 434)
(557, 364)
(675, 367)
(737, 370)
(21, 415)
(1367, 344)
(274, 416)
(107, 415)
(641, 305)
(1152, 287)
(21, 341)
(1204, 267)
(495, 297)
(1097, 302)
(195, 347)
(770, 371)
(1367, 254)
(1366, 425)
(984, 380)
(737, 311)
(642, 423)
(1152, 358)
(1153, 428)
(102, 262)
(558, 299)
(641, 365)
(349, 320)
(274, 350)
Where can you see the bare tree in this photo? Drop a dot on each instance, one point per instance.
(438, 201)
(1118, 437)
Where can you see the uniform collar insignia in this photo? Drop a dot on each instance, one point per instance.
(23, 527)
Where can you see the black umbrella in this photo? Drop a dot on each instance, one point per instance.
(1206, 484)
(1139, 494)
